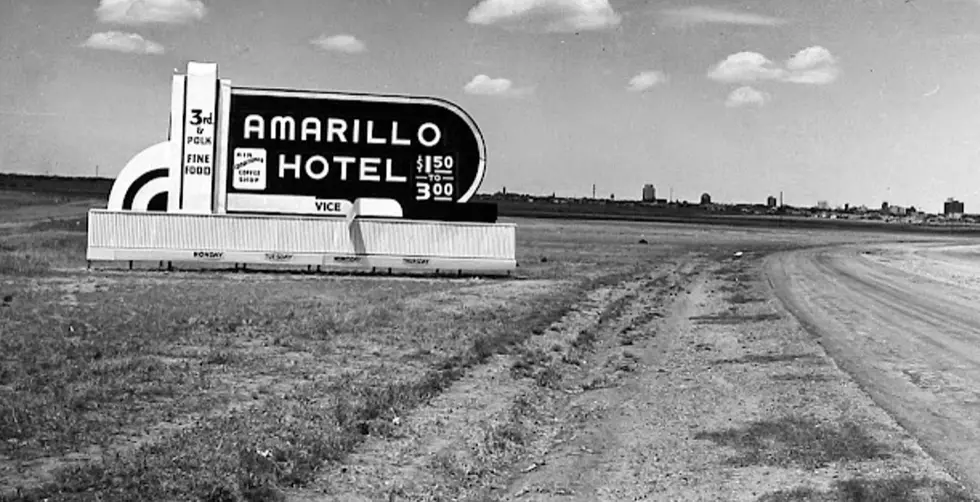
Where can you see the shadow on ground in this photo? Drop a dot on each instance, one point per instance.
(796, 377)
(796, 442)
(901, 489)
(767, 358)
(730, 318)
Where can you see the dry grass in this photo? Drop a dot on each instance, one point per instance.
(155, 386)
(14, 199)
(37, 252)
(302, 370)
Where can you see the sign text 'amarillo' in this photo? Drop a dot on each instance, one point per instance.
(341, 131)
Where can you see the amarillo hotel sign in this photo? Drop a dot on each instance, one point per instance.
(272, 175)
(304, 152)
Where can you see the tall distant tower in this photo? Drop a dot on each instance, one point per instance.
(593, 190)
(649, 193)
(953, 208)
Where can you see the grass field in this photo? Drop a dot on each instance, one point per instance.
(108, 378)
(216, 386)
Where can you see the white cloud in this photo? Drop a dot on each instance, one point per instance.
(546, 15)
(701, 15)
(809, 58)
(746, 96)
(813, 65)
(485, 86)
(136, 12)
(646, 80)
(340, 43)
(122, 42)
(746, 67)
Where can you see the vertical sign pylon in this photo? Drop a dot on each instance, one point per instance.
(197, 166)
(176, 138)
(220, 204)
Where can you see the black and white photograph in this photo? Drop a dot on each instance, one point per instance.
(490, 250)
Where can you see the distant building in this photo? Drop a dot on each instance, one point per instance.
(953, 208)
(897, 210)
(705, 198)
(770, 201)
(822, 204)
(649, 193)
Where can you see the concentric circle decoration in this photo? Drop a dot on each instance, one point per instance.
(144, 184)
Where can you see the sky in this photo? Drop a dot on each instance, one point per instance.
(847, 101)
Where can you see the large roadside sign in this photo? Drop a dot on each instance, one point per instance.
(302, 177)
(308, 152)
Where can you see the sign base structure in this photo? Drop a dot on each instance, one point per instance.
(363, 245)
(342, 181)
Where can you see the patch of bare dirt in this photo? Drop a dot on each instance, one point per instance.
(956, 265)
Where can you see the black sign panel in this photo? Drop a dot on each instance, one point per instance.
(338, 146)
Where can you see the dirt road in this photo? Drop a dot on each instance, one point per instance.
(904, 321)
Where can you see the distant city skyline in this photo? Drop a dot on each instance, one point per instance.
(849, 102)
(764, 202)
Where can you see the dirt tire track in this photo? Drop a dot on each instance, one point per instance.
(592, 454)
(910, 341)
(469, 440)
